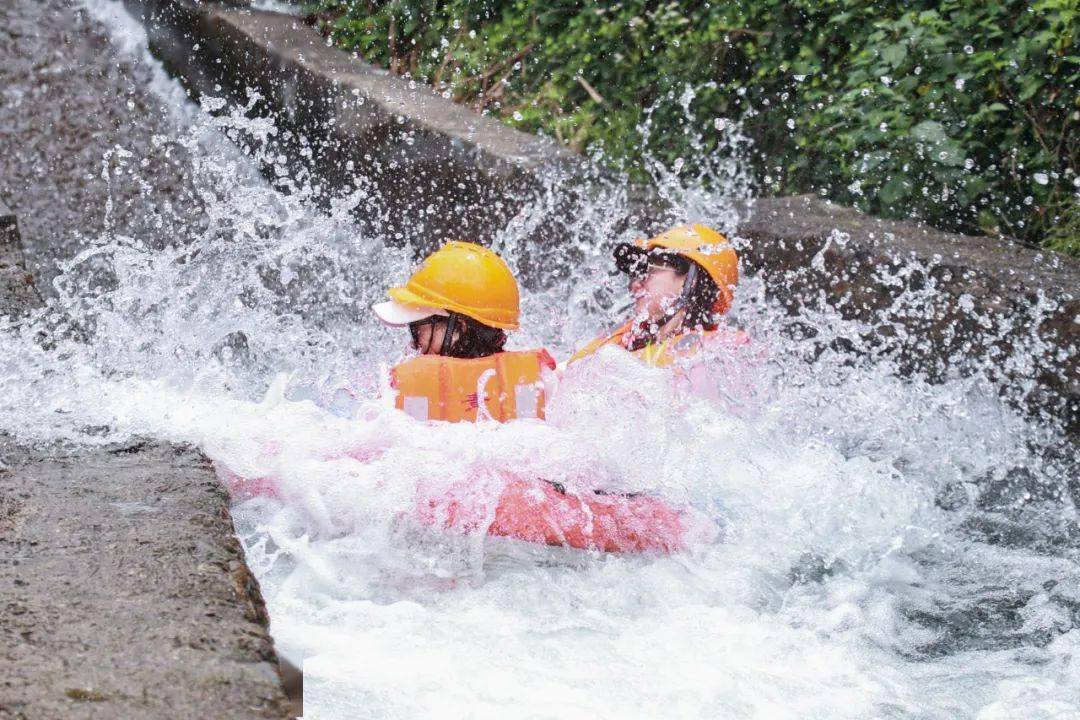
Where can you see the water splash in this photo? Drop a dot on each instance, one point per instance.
(903, 541)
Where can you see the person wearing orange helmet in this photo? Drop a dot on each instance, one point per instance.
(682, 282)
(458, 307)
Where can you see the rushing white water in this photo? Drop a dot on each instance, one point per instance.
(860, 569)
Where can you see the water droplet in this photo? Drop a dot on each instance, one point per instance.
(791, 124)
(968, 49)
(1042, 178)
(960, 83)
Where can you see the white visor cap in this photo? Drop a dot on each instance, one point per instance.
(395, 314)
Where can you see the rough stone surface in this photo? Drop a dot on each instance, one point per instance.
(124, 592)
(990, 299)
(66, 100)
(443, 169)
(17, 293)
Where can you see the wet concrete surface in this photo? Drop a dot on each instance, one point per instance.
(436, 170)
(66, 100)
(123, 590)
(993, 299)
(17, 293)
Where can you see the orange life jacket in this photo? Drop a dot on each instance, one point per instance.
(665, 352)
(433, 387)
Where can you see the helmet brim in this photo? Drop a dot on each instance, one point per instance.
(395, 314)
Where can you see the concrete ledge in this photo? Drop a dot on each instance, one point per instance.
(438, 170)
(938, 302)
(123, 589)
(124, 593)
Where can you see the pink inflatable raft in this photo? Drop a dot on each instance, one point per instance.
(542, 512)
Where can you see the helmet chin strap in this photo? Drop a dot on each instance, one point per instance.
(448, 338)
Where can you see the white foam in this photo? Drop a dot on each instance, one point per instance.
(830, 595)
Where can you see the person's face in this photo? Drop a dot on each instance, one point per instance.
(428, 335)
(654, 288)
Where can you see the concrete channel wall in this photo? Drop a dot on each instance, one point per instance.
(17, 292)
(441, 168)
(988, 302)
(944, 303)
(123, 589)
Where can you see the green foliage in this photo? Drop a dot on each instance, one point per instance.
(960, 112)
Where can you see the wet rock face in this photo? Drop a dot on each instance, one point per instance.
(123, 590)
(935, 302)
(66, 101)
(17, 293)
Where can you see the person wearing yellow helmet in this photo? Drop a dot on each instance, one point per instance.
(458, 307)
(682, 282)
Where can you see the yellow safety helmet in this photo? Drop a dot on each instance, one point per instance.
(465, 278)
(699, 243)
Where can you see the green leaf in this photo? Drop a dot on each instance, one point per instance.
(642, 55)
(929, 131)
(898, 188)
(1029, 89)
(949, 153)
(894, 54)
(873, 160)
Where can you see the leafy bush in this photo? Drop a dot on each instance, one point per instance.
(960, 112)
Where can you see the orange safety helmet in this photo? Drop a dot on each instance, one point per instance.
(699, 243)
(465, 278)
